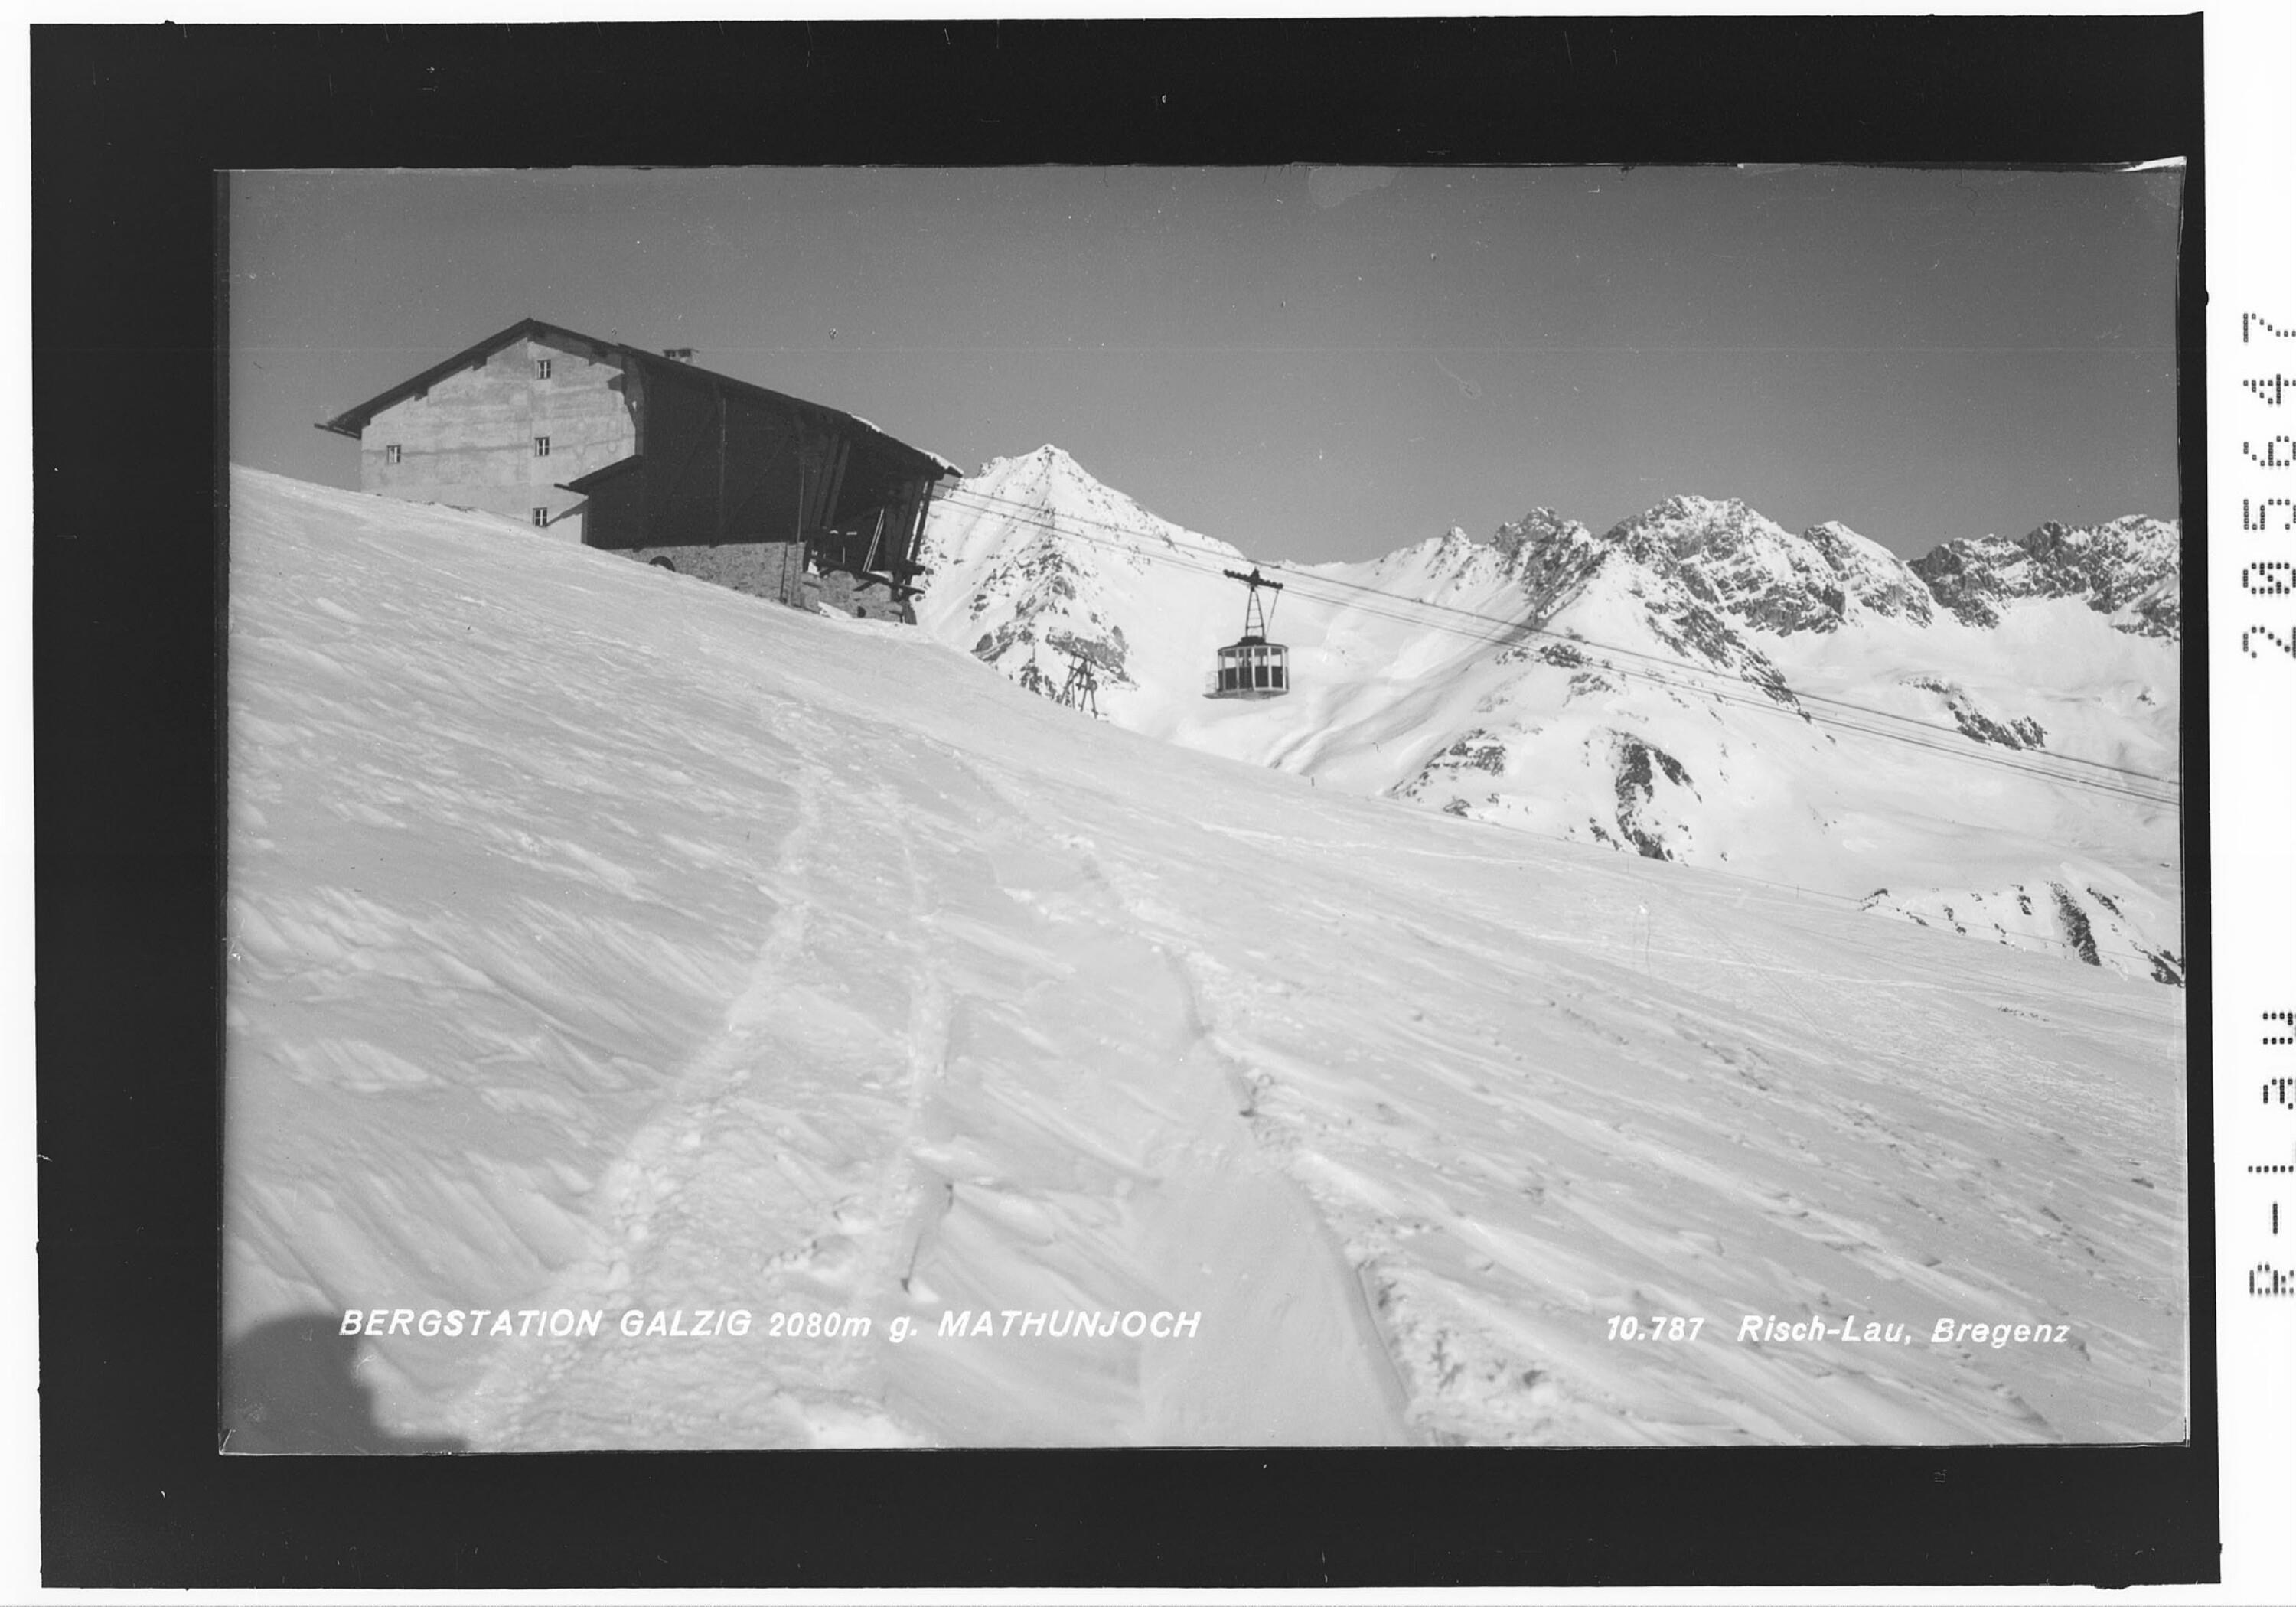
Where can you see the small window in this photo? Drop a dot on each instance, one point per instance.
(542, 516)
(542, 368)
(390, 455)
(542, 446)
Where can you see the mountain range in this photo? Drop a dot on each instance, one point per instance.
(1984, 739)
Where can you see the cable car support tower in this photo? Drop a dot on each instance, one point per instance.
(1081, 690)
(1253, 666)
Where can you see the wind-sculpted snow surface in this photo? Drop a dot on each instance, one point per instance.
(610, 952)
(1696, 685)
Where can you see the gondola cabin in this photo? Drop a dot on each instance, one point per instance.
(1253, 669)
(1253, 666)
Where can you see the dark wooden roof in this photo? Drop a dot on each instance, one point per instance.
(619, 466)
(354, 421)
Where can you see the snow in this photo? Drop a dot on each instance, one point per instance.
(946, 468)
(601, 940)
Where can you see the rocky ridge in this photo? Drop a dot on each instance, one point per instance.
(2126, 567)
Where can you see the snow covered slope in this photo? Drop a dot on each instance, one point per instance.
(1696, 685)
(604, 943)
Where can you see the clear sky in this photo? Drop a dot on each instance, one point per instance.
(1311, 363)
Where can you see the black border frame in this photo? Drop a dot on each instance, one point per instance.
(129, 126)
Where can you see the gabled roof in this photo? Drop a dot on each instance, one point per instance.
(354, 421)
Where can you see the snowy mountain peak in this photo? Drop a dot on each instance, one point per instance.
(1689, 517)
(1541, 524)
(1045, 460)
(1734, 560)
(1449, 550)
(1034, 561)
(1871, 576)
(1049, 482)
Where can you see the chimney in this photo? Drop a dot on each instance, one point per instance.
(683, 353)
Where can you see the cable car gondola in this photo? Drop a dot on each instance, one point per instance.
(1253, 666)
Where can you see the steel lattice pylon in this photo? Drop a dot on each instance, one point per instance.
(1081, 689)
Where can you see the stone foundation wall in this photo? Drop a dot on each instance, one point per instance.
(774, 569)
(762, 569)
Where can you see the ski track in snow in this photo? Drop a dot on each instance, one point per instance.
(1303, 1361)
(716, 1178)
(644, 947)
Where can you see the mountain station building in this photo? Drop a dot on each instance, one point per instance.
(645, 453)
